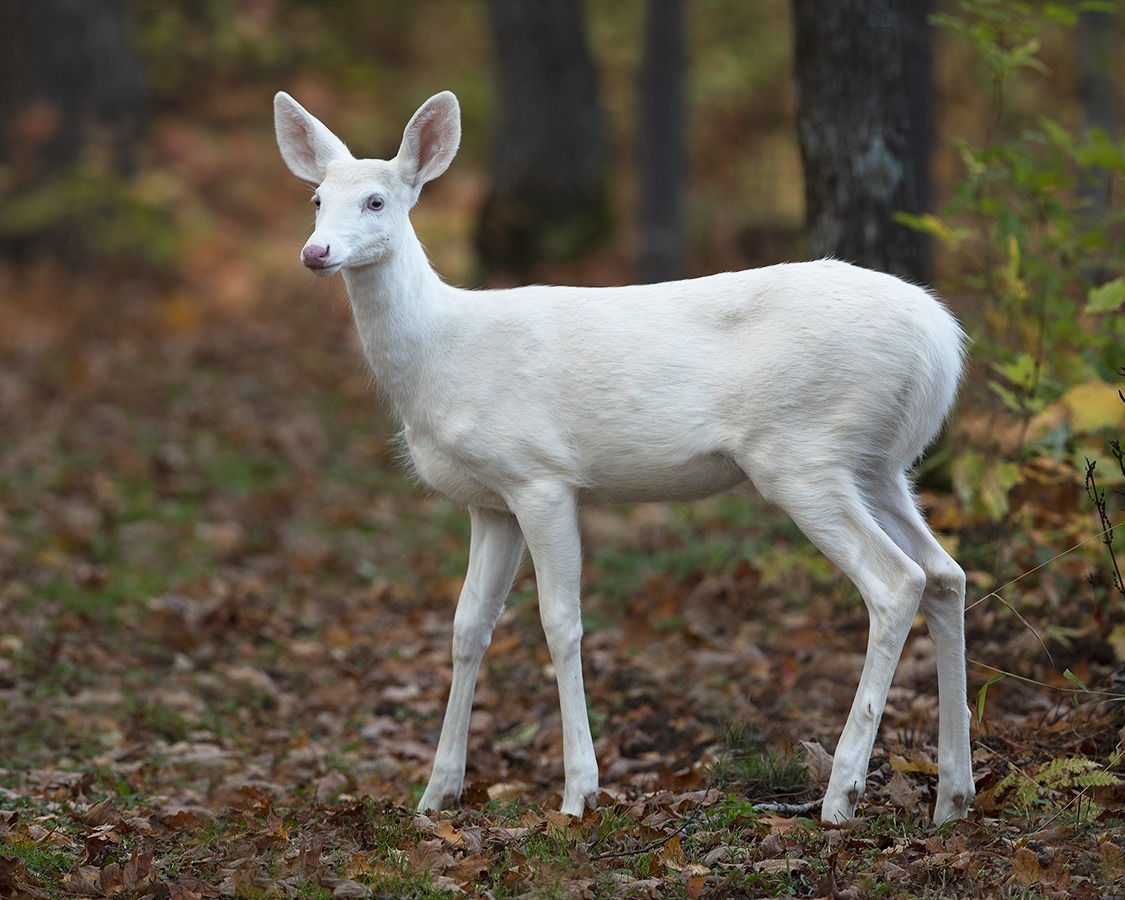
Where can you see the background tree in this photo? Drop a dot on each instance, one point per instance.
(1097, 35)
(918, 81)
(853, 125)
(69, 81)
(548, 167)
(660, 144)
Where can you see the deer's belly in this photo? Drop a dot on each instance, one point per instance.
(628, 478)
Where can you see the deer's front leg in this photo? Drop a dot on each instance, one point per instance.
(495, 550)
(549, 518)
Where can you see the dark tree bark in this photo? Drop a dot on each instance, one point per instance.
(69, 82)
(68, 76)
(853, 125)
(660, 150)
(1097, 38)
(547, 199)
(918, 79)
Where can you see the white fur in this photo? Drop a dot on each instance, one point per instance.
(819, 382)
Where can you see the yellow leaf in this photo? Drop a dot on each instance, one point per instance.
(448, 833)
(507, 790)
(672, 853)
(181, 312)
(922, 766)
(1052, 416)
(518, 737)
(950, 543)
(1116, 640)
(563, 826)
(1093, 406)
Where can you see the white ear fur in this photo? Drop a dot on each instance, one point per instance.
(431, 139)
(306, 144)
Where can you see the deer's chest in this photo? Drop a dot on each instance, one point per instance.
(450, 474)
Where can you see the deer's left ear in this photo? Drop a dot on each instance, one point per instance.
(431, 139)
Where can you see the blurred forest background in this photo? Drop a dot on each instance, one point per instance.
(225, 614)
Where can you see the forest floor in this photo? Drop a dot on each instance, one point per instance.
(225, 623)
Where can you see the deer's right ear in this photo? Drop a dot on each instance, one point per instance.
(306, 144)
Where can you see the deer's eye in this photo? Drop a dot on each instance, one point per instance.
(375, 203)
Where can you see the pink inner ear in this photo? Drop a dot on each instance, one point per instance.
(429, 140)
(299, 137)
(432, 138)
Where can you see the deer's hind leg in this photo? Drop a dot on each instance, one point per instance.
(943, 603)
(829, 505)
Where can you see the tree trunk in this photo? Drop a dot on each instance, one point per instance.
(547, 199)
(853, 127)
(1096, 41)
(918, 80)
(660, 137)
(69, 83)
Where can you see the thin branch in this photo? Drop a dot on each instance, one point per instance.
(1098, 498)
(656, 845)
(996, 593)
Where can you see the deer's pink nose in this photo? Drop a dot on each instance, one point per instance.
(315, 256)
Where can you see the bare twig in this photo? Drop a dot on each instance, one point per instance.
(788, 809)
(1098, 498)
(656, 845)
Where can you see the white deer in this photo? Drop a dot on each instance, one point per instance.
(819, 382)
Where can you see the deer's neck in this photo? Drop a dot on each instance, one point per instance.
(399, 305)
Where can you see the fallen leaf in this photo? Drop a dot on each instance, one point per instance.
(920, 764)
(902, 793)
(348, 889)
(448, 833)
(819, 763)
(1028, 867)
(508, 790)
(782, 864)
(103, 813)
(329, 786)
(1093, 405)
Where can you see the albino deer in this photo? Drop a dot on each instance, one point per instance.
(820, 383)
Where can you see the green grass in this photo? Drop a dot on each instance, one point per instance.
(758, 771)
(45, 867)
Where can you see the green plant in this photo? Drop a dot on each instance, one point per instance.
(121, 220)
(1035, 249)
(757, 770)
(1050, 783)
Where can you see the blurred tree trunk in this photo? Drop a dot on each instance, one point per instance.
(853, 126)
(69, 83)
(918, 78)
(1097, 33)
(660, 151)
(547, 199)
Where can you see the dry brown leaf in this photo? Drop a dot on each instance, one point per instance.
(347, 889)
(819, 763)
(103, 813)
(1030, 867)
(672, 853)
(782, 864)
(902, 793)
(448, 833)
(328, 786)
(778, 824)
